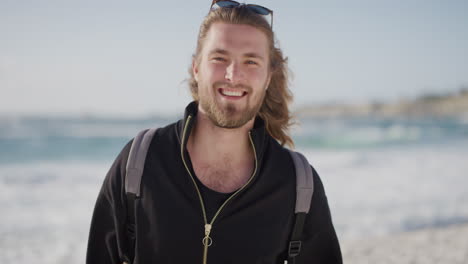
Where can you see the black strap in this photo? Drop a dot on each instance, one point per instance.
(304, 193)
(295, 243)
(130, 228)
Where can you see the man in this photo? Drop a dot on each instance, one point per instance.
(218, 186)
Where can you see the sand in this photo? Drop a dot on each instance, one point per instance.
(447, 245)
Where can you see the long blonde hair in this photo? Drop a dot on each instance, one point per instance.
(275, 107)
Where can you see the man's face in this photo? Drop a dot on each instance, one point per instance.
(232, 74)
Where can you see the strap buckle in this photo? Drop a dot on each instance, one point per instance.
(294, 248)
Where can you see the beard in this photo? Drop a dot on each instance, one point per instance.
(228, 115)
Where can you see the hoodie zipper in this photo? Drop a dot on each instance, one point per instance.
(207, 241)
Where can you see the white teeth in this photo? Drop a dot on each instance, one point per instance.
(231, 93)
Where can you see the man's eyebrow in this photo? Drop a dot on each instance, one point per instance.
(220, 51)
(254, 55)
(248, 55)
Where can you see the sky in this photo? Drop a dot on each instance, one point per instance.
(132, 57)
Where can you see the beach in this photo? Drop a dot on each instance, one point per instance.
(396, 187)
(447, 245)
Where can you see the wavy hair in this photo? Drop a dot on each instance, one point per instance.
(275, 107)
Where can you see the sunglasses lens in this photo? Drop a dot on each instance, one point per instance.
(227, 4)
(254, 8)
(259, 9)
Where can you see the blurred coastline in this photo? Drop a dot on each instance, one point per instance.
(428, 105)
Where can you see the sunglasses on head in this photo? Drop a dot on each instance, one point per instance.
(257, 9)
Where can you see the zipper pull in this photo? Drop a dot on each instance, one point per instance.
(207, 241)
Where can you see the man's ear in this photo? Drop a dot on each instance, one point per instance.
(195, 69)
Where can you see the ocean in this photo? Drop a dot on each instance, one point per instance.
(382, 176)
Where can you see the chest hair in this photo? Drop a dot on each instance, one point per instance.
(223, 176)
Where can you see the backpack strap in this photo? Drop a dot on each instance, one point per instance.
(136, 161)
(134, 172)
(304, 192)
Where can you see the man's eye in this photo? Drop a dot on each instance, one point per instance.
(219, 59)
(251, 62)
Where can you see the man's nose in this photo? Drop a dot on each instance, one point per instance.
(234, 72)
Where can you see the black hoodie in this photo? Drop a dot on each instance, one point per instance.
(253, 227)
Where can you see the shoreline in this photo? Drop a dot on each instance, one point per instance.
(441, 106)
(447, 244)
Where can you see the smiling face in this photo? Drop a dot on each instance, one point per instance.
(232, 72)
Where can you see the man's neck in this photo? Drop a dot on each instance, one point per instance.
(218, 141)
(222, 158)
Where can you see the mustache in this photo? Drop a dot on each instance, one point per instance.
(231, 86)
